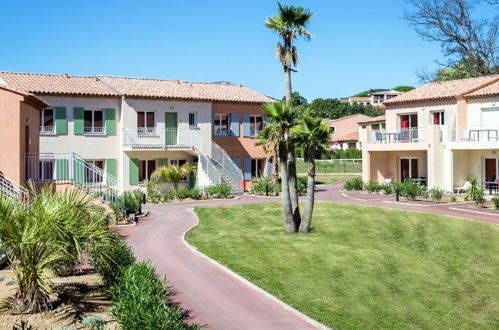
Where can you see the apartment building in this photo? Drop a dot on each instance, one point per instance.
(437, 134)
(379, 98)
(122, 129)
(346, 132)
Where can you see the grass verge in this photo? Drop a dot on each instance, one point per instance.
(363, 267)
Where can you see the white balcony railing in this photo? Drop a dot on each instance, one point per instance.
(161, 138)
(408, 135)
(47, 130)
(474, 134)
(93, 130)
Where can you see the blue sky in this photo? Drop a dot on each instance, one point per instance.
(358, 44)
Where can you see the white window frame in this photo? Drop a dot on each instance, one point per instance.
(218, 117)
(195, 117)
(147, 168)
(441, 115)
(253, 120)
(258, 171)
(47, 130)
(95, 130)
(144, 130)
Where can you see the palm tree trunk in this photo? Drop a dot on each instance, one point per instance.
(289, 223)
(275, 168)
(287, 73)
(309, 203)
(293, 191)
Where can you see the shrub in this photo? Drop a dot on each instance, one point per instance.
(495, 201)
(301, 184)
(480, 198)
(373, 187)
(410, 189)
(110, 258)
(387, 189)
(140, 301)
(259, 187)
(94, 322)
(354, 184)
(118, 208)
(475, 190)
(452, 199)
(132, 205)
(223, 190)
(195, 193)
(425, 192)
(182, 193)
(436, 194)
(210, 191)
(167, 196)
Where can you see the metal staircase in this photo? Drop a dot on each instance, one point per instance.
(12, 190)
(230, 173)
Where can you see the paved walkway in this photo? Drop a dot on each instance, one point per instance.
(213, 296)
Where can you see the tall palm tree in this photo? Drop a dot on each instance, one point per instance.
(290, 23)
(313, 137)
(173, 174)
(268, 139)
(283, 119)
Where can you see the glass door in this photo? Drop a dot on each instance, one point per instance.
(408, 169)
(490, 170)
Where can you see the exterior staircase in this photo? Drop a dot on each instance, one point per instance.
(12, 190)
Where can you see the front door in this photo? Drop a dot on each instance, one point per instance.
(490, 169)
(408, 168)
(171, 128)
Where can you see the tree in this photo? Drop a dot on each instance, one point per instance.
(269, 139)
(470, 42)
(283, 120)
(334, 109)
(296, 100)
(172, 174)
(403, 88)
(290, 23)
(313, 137)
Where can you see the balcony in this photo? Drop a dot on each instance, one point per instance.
(408, 135)
(93, 130)
(474, 134)
(153, 138)
(47, 130)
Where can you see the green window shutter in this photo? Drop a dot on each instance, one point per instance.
(78, 121)
(79, 171)
(163, 162)
(61, 123)
(110, 121)
(111, 167)
(61, 169)
(133, 171)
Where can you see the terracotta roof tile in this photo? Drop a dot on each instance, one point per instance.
(443, 90)
(55, 84)
(373, 120)
(490, 90)
(132, 87)
(347, 137)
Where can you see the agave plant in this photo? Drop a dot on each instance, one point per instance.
(53, 231)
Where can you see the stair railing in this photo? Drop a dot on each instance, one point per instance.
(220, 156)
(12, 190)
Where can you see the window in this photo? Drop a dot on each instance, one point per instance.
(146, 168)
(256, 125)
(146, 123)
(438, 118)
(257, 168)
(409, 121)
(93, 175)
(93, 121)
(47, 121)
(193, 119)
(221, 124)
(177, 162)
(46, 168)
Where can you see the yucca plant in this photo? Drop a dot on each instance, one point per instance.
(52, 232)
(173, 174)
(474, 192)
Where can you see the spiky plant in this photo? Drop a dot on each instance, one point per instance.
(173, 174)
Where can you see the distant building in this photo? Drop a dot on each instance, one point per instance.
(346, 132)
(378, 98)
(357, 100)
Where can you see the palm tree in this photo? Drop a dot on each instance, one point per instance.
(173, 174)
(283, 119)
(290, 23)
(269, 140)
(313, 137)
(54, 230)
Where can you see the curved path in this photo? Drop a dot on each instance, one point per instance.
(213, 296)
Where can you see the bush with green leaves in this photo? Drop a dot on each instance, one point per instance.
(301, 184)
(110, 258)
(495, 201)
(437, 194)
(140, 301)
(474, 192)
(131, 203)
(373, 187)
(354, 184)
(94, 322)
(223, 190)
(260, 187)
(210, 191)
(479, 198)
(195, 193)
(409, 189)
(387, 189)
(182, 193)
(168, 196)
(452, 199)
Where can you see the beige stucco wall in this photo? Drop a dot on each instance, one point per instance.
(384, 164)
(475, 107)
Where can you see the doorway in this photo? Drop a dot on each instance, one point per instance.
(491, 170)
(408, 168)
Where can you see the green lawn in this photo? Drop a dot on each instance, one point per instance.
(363, 267)
(330, 167)
(330, 178)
